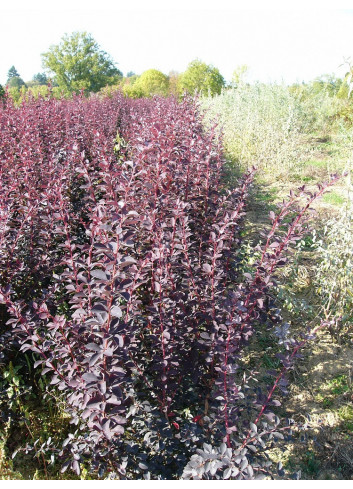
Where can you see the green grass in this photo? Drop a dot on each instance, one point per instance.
(345, 413)
(267, 195)
(311, 466)
(334, 198)
(330, 393)
(308, 179)
(315, 163)
(339, 385)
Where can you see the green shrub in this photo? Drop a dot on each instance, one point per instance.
(151, 82)
(333, 277)
(261, 125)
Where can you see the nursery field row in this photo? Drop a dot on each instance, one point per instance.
(122, 283)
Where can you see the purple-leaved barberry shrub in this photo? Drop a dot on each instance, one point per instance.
(119, 254)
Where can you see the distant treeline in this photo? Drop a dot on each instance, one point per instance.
(78, 64)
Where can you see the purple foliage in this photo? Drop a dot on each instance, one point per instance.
(119, 270)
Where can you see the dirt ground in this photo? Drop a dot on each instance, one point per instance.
(321, 390)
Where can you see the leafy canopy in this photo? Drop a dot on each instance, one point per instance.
(13, 79)
(202, 78)
(152, 82)
(78, 63)
(16, 82)
(40, 79)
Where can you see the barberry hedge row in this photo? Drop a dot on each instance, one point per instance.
(120, 268)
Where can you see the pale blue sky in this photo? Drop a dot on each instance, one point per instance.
(289, 45)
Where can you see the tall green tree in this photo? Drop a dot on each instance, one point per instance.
(78, 63)
(12, 73)
(201, 78)
(13, 79)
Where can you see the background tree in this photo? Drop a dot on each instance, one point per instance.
(40, 79)
(327, 83)
(346, 86)
(152, 82)
(239, 75)
(202, 78)
(13, 79)
(130, 78)
(173, 82)
(12, 73)
(16, 82)
(78, 63)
